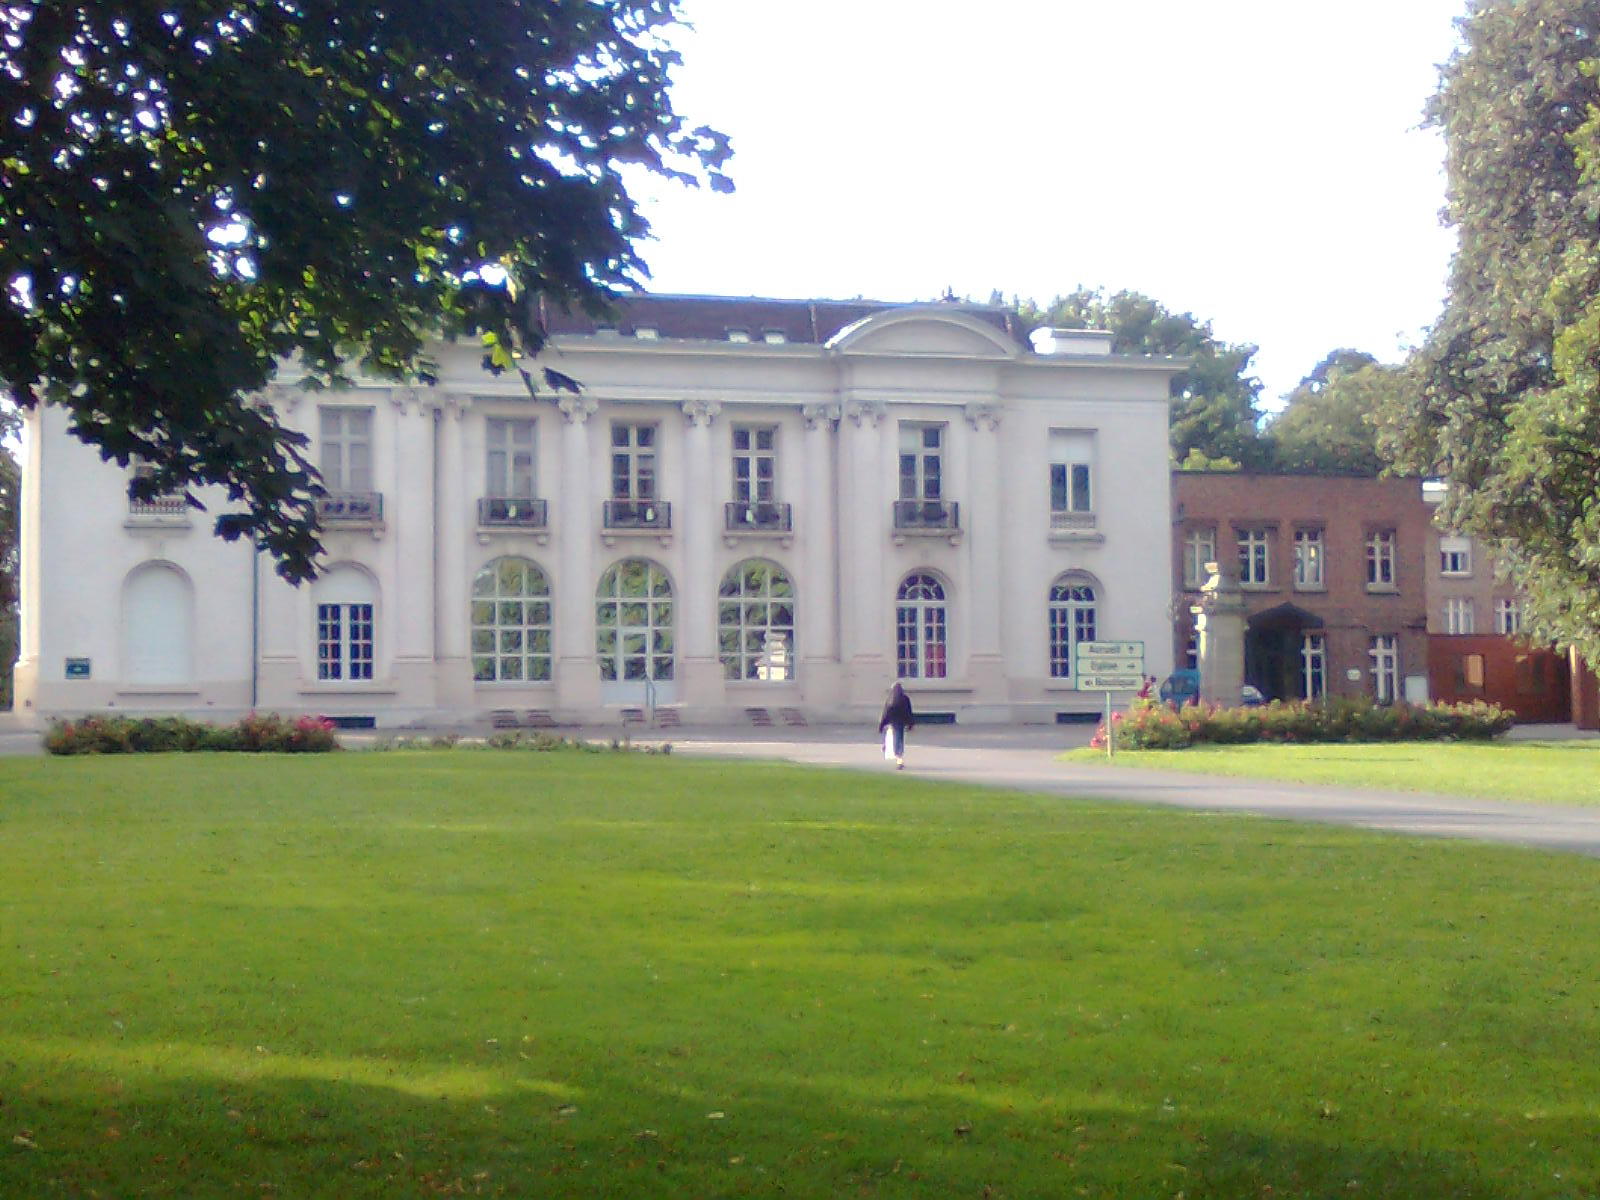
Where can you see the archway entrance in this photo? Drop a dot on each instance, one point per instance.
(1273, 641)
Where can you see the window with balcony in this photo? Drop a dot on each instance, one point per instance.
(1455, 556)
(1072, 620)
(1458, 615)
(1308, 559)
(1507, 616)
(1199, 548)
(1380, 560)
(755, 622)
(922, 504)
(633, 502)
(509, 480)
(1071, 478)
(511, 626)
(755, 503)
(920, 627)
(345, 448)
(1255, 557)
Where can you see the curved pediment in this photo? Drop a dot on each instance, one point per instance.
(930, 330)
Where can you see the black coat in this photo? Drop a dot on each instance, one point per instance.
(897, 712)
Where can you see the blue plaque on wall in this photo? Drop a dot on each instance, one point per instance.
(77, 668)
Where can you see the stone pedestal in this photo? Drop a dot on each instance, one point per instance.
(1219, 622)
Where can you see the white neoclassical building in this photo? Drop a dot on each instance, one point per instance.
(751, 504)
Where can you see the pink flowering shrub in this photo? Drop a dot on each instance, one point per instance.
(154, 735)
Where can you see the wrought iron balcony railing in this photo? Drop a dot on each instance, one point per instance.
(636, 514)
(161, 508)
(521, 512)
(350, 508)
(757, 516)
(940, 516)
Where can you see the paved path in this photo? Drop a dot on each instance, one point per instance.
(1024, 758)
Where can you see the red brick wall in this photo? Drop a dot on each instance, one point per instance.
(1533, 683)
(1347, 510)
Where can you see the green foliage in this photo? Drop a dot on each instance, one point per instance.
(1150, 725)
(1213, 402)
(1507, 406)
(193, 193)
(256, 733)
(1328, 424)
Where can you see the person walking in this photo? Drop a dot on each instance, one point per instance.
(897, 718)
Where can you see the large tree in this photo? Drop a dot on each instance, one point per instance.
(1327, 424)
(194, 191)
(1506, 396)
(1214, 415)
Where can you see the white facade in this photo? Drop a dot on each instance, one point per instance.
(918, 494)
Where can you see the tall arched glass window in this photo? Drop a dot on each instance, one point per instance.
(919, 621)
(511, 623)
(346, 601)
(157, 626)
(1072, 620)
(755, 622)
(633, 622)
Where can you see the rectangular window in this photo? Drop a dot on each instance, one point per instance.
(633, 461)
(1469, 673)
(921, 461)
(1199, 548)
(346, 445)
(1380, 559)
(1384, 651)
(509, 467)
(1308, 558)
(1071, 463)
(1458, 615)
(1313, 666)
(1455, 556)
(1254, 557)
(344, 641)
(755, 463)
(1507, 616)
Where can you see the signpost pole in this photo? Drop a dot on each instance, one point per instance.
(1111, 730)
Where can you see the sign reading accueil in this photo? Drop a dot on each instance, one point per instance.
(1108, 666)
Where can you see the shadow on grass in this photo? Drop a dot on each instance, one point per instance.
(86, 1136)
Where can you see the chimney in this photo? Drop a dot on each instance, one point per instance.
(1058, 342)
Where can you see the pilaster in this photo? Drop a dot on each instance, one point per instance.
(577, 675)
(699, 516)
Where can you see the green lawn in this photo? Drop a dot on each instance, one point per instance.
(517, 974)
(1560, 772)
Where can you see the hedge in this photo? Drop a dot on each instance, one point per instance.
(1151, 725)
(256, 733)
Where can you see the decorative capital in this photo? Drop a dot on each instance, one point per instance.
(409, 396)
(865, 412)
(700, 411)
(577, 408)
(453, 403)
(983, 416)
(818, 415)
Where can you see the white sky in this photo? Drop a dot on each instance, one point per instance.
(1258, 163)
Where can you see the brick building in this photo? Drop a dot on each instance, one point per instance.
(1333, 570)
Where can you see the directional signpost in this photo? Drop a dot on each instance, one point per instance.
(1109, 667)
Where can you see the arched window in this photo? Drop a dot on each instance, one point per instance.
(755, 622)
(633, 622)
(511, 623)
(1072, 620)
(919, 620)
(347, 627)
(157, 626)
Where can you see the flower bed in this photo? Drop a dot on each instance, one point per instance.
(1150, 725)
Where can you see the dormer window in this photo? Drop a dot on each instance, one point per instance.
(605, 331)
(647, 333)
(738, 335)
(774, 337)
